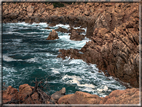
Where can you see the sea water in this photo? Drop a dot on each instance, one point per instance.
(26, 55)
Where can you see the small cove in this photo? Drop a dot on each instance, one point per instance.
(28, 55)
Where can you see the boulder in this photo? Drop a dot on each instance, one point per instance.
(53, 35)
(79, 98)
(24, 90)
(10, 94)
(58, 94)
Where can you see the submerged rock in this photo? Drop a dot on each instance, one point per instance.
(53, 35)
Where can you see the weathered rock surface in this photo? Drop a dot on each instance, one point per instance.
(53, 35)
(114, 44)
(25, 90)
(79, 98)
(128, 96)
(12, 96)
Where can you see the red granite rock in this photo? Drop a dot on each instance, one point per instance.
(9, 94)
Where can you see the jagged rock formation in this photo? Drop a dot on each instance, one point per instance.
(115, 42)
(26, 95)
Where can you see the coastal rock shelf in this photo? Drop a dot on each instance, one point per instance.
(128, 96)
(111, 35)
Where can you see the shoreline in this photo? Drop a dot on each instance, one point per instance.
(28, 95)
(114, 44)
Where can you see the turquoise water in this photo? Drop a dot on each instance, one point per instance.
(28, 55)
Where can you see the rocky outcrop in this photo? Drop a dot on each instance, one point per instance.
(79, 98)
(9, 94)
(53, 35)
(114, 44)
(24, 96)
(128, 96)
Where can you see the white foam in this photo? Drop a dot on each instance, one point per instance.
(87, 85)
(8, 59)
(43, 24)
(32, 60)
(9, 69)
(55, 71)
(80, 43)
(80, 28)
(104, 88)
(74, 44)
(87, 89)
(23, 23)
(76, 61)
(62, 25)
(48, 54)
(75, 80)
(65, 37)
(17, 40)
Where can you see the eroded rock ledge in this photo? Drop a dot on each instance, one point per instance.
(13, 96)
